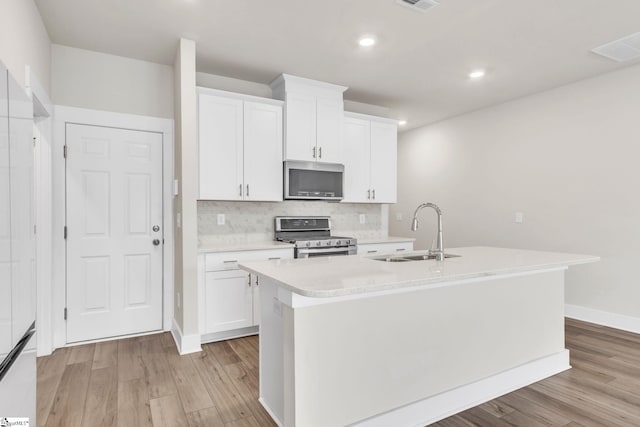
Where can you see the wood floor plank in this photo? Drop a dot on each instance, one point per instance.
(245, 422)
(191, 389)
(223, 352)
(130, 365)
(134, 409)
(81, 354)
(68, 405)
(167, 411)
(105, 355)
(49, 373)
(228, 400)
(101, 407)
(219, 386)
(205, 418)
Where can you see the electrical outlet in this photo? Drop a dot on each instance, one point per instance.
(363, 219)
(399, 216)
(221, 219)
(519, 217)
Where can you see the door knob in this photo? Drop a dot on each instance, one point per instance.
(156, 228)
(156, 242)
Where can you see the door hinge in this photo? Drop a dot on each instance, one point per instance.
(65, 232)
(64, 151)
(65, 313)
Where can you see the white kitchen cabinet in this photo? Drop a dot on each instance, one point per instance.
(240, 147)
(229, 297)
(314, 113)
(370, 150)
(384, 248)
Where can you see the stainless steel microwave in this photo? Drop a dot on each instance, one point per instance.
(313, 180)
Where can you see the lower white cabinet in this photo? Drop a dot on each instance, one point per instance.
(384, 248)
(230, 297)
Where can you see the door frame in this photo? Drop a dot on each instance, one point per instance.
(83, 116)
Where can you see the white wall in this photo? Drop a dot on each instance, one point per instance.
(566, 158)
(24, 41)
(87, 79)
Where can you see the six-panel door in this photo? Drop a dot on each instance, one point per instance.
(115, 236)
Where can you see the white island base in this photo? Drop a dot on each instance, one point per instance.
(405, 355)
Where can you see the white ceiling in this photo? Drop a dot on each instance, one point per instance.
(418, 69)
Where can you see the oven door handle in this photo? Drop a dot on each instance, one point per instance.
(336, 250)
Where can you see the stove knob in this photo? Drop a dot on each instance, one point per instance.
(318, 243)
(338, 243)
(328, 242)
(308, 244)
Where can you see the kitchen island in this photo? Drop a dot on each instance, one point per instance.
(357, 341)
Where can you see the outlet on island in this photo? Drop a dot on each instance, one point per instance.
(221, 219)
(363, 219)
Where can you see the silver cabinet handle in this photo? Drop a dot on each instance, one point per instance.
(249, 280)
(230, 261)
(400, 249)
(368, 194)
(240, 190)
(320, 152)
(275, 257)
(247, 190)
(314, 152)
(374, 194)
(372, 252)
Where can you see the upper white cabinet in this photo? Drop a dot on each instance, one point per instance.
(370, 162)
(240, 147)
(314, 113)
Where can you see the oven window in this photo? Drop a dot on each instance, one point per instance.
(312, 183)
(332, 253)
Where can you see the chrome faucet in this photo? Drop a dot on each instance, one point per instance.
(439, 253)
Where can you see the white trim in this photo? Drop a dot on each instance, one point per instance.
(234, 95)
(378, 119)
(443, 405)
(270, 412)
(225, 335)
(604, 318)
(186, 344)
(43, 106)
(63, 115)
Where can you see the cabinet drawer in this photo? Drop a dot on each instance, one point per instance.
(384, 248)
(229, 260)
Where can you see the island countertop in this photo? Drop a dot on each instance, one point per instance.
(324, 277)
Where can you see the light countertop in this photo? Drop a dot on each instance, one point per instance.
(347, 275)
(242, 246)
(389, 239)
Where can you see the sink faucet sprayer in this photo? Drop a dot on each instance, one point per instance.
(414, 226)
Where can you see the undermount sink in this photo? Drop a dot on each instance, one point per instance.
(405, 258)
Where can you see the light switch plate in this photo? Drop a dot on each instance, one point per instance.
(519, 217)
(363, 219)
(399, 216)
(221, 219)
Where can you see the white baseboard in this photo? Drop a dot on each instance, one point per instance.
(186, 343)
(445, 404)
(270, 412)
(227, 335)
(604, 318)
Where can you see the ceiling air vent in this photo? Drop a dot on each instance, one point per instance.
(419, 5)
(624, 49)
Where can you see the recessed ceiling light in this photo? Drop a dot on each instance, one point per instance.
(402, 122)
(367, 41)
(477, 74)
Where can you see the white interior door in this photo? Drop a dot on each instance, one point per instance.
(114, 232)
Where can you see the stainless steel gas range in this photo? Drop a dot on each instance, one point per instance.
(312, 237)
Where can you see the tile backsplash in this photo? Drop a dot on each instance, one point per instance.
(253, 221)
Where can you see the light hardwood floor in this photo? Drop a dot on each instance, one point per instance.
(143, 382)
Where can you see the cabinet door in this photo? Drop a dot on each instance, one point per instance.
(384, 154)
(229, 301)
(357, 160)
(262, 152)
(220, 148)
(300, 124)
(330, 114)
